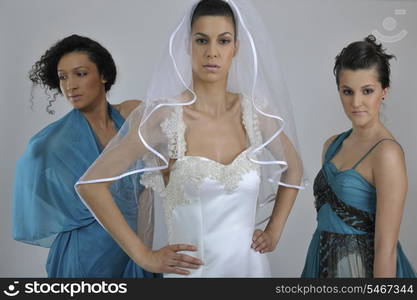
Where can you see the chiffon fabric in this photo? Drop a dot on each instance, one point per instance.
(47, 211)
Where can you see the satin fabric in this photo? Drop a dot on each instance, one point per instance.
(220, 224)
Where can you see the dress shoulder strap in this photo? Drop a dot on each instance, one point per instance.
(174, 128)
(335, 145)
(250, 121)
(370, 150)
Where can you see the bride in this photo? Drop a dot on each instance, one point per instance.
(215, 150)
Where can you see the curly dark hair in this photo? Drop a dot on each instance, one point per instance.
(44, 71)
(365, 54)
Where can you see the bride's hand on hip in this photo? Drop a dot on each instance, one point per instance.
(262, 241)
(167, 260)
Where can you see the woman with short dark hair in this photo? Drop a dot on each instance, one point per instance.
(361, 189)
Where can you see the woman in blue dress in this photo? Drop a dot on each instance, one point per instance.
(46, 209)
(361, 189)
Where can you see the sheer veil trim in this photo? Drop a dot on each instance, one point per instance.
(196, 169)
(154, 133)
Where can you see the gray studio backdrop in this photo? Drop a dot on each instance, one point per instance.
(308, 35)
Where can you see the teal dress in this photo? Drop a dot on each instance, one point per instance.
(343, 243)
(47, 211)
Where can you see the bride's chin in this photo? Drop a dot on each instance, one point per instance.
(210, 78)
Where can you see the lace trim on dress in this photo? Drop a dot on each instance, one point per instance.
(196, 168)
(251, 122)
(174, 129)
(346, 255)
(351, 216)
(153, 180)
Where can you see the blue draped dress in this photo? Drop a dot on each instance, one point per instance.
(343, 243)
(48, 212)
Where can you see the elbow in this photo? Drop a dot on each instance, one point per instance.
(83, 190)
(88, 193)
(294, 173)
(89, 190)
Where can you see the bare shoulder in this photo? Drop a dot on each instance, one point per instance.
(327, 144)
(387, 154)
(389, 168)
(126, 107)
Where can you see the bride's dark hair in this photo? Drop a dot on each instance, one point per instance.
(213, 8)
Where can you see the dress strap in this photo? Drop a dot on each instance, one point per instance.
(174, 128)
(370, 150)
(250, 121)
(335, 145)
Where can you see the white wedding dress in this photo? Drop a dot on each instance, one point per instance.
(211, 205)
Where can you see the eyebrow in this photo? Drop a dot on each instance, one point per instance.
(79, 67)
(365, 86)
(205, 35)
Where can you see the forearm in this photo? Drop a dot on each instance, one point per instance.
(385, 263)
(283, 204)
(100, 201)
